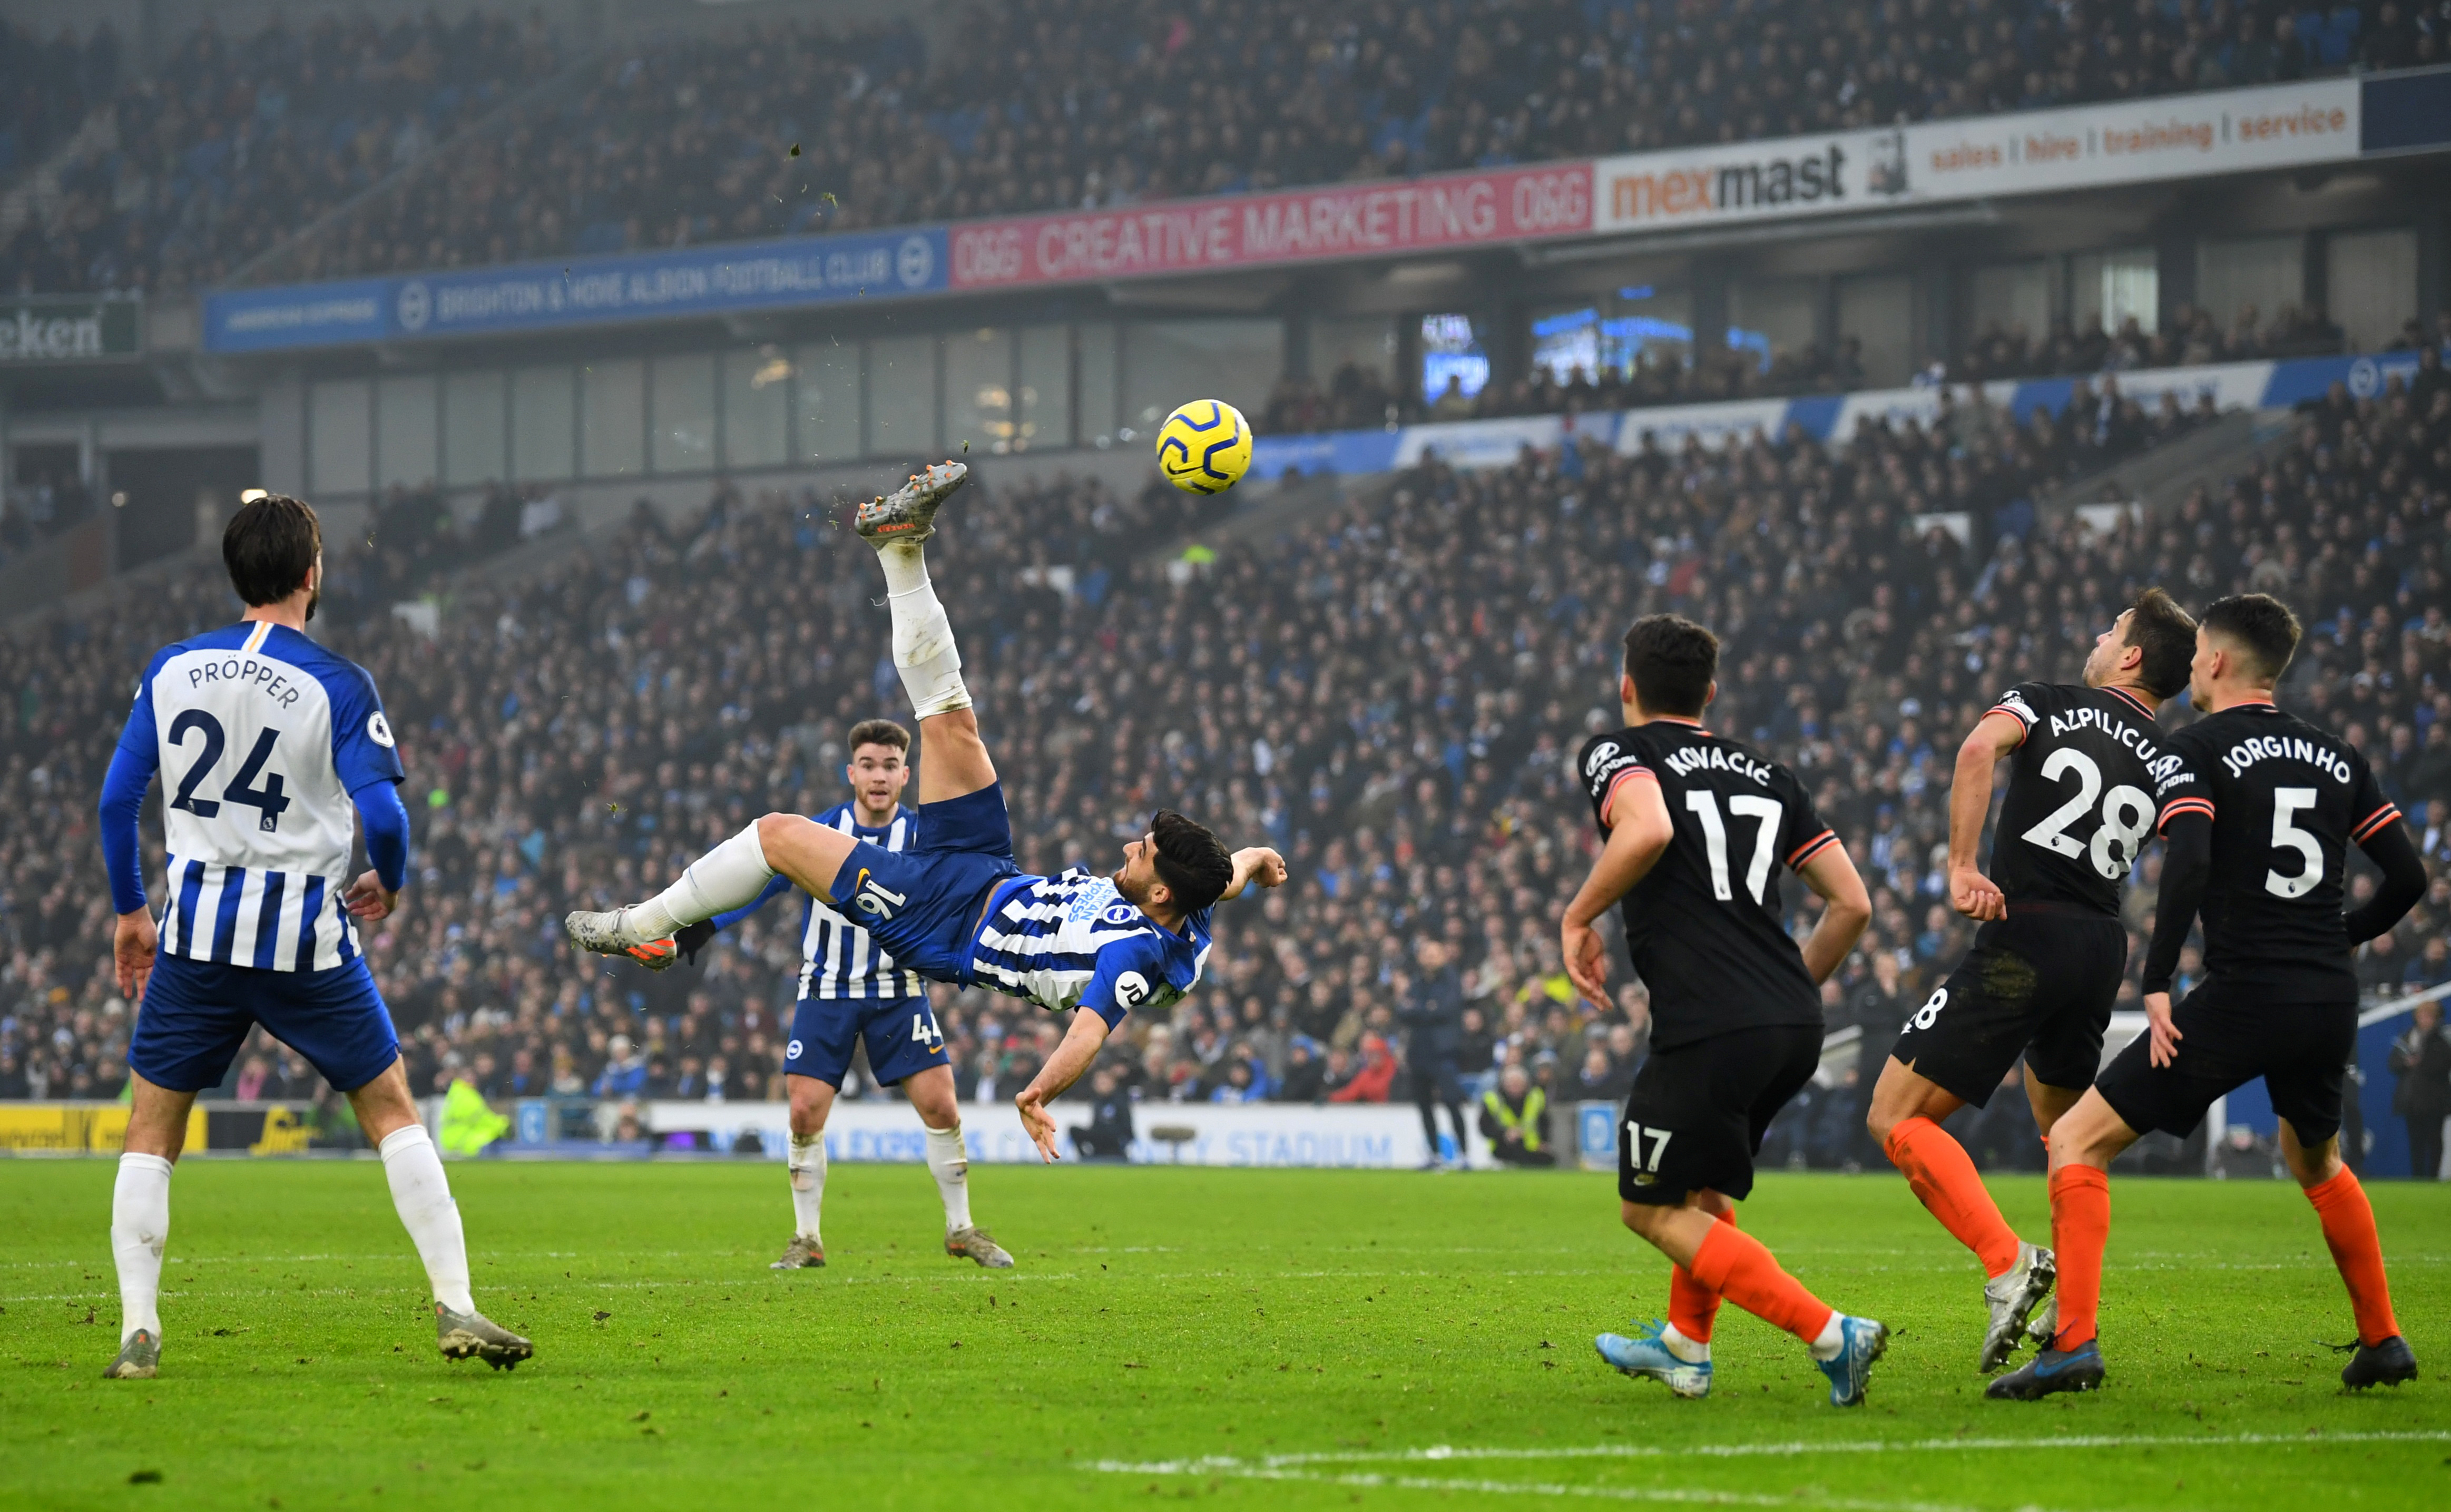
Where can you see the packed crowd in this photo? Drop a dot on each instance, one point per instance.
(2192, 338)
(234, 143)
(49, 86)
(783, 127)
(1391, 695)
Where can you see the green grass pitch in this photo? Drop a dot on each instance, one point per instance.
(1263, 1338)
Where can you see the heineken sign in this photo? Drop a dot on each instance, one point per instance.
(70, 330)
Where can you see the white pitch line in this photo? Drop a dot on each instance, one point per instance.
(1442, 1453)
(1689, 1496)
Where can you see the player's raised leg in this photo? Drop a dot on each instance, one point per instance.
(140, 1221)
(1906, 1117)
(422, 1194)
(953, 758)
(2382, 1357)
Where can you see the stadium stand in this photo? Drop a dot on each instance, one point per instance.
(210, 157)
(1042, 106)
(49, 86)
(1390, 692)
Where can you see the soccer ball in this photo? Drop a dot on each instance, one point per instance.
(1205, 446)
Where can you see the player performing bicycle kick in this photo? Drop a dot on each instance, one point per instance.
(956, 907)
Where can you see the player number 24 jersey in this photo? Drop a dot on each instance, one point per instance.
(260, 736)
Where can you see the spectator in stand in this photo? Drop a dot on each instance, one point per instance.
(1514, 1120)
(1372, 1078)
(2420, 1068)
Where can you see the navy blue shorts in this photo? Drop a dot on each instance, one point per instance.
(196, 1015)
(922, 904)
(903, 1039)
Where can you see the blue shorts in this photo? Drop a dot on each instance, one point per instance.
(903, 1039)
(923, 904)
(196, 1015)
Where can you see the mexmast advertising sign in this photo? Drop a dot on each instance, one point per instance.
(1978, 157)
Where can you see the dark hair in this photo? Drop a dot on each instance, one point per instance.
(878, 731)
(1672, 661)
(270, 546)
(2162, 630)
(1189, 860)
(2260, 625)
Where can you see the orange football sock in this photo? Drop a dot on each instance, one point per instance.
(1734, 1265)
(1937, 1167)
(1692, 1307)
(2356, 1250)
(2080, 1230)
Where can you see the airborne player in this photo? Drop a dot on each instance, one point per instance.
(2047, 964)
(957, 907)
(1695, 825)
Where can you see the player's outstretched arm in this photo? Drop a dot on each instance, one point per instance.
(1063, 1067)
(1255, 864)
(1970, 803)
(1639, 831)
(1849, 908)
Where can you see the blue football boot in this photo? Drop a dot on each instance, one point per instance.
(1646, 1356)
(2051, 1373)
(1861, 1340)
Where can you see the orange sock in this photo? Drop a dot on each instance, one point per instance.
(2080, 1230)
(1943, 1175)
(1692, 1307)
(1734, 1265)
(2350, 1230)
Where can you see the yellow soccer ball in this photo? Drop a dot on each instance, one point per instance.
(1205, 446)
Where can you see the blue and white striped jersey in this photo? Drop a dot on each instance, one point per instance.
(838, 959)
(1074, 941)
(260, 736)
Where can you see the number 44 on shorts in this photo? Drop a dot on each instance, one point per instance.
(1660, 1137)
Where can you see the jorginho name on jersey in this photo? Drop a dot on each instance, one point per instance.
(1703, 925)
(262, 737)
(839, 959)
(2286, 800)
(1074, 941)
(2080, 799)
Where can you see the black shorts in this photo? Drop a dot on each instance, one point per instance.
(2230, 1035)
(1695, 1116)
(2040, 984)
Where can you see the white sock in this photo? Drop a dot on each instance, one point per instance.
(422, 1195)
(807, 1164)
(1692, 1351)
(924, 651)
(722, 879)
(139, 1229)
(949, 1161)
(1827, 1343)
